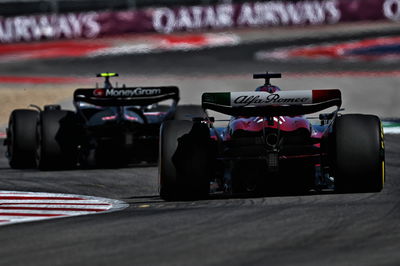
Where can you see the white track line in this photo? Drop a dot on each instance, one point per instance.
(18, 206)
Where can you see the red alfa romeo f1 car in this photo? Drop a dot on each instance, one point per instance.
(269, 145)
(111, 126)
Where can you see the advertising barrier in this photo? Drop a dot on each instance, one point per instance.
(195, 18)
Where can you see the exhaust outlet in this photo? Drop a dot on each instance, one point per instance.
(272, 139)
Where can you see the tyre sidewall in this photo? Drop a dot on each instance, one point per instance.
(170, 131)
(21, 137)
(357, 153)
(57, 140)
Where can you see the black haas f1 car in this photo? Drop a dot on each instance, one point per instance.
(270, 147)
(110, 127)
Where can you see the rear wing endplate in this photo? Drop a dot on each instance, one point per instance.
(282, 103)
(126, 96)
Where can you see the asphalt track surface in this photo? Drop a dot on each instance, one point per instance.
(318, 229)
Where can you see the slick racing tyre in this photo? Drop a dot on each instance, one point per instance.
(184, 162)
(169, 133)
(21, 138)
(187, 112)
(57, 140)
(358, 153)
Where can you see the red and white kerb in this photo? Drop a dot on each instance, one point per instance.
(17, 207)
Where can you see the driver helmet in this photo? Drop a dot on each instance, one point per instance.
(268, 88)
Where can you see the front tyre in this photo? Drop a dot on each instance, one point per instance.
(358, 153)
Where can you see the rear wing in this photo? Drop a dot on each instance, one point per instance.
(282, 103)
(126, 96)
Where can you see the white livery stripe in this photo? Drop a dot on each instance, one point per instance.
(256, 98)
(391, 130)
(17, 206)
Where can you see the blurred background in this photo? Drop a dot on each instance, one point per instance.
(49, 48)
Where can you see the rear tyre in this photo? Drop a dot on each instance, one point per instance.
(21, 138)
(187, 112)
(357, 148)
(185, 160)
(57, 140)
